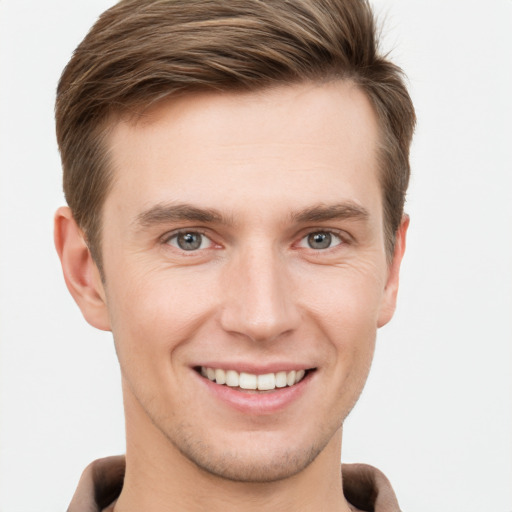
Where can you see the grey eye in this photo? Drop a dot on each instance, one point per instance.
(189, 241)
(321, 240)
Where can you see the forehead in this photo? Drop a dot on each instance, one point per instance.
(305, 143)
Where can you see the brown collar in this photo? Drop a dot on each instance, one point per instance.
(365, 487)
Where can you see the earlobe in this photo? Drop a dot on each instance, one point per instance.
(391, 290)
(80, 271)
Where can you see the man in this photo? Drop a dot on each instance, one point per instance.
(235, 174)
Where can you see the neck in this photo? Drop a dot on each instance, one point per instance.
(159, 478)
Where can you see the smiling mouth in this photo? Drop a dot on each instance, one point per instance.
(253, 382)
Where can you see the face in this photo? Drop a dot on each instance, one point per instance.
(243, 242)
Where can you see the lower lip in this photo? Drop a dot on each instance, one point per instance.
(268, 402)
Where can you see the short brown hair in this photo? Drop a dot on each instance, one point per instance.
(141, 51)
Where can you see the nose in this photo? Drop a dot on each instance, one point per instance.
(259, 302)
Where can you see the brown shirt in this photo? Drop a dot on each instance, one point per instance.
(365, 487)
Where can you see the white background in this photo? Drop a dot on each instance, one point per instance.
(436, 414)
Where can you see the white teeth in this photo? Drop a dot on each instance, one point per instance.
(220, 376)
(232, 378)
(248, 381)
(280, 379)
(265, 382)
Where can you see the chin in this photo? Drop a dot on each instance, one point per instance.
(252, 467)
(257, 460)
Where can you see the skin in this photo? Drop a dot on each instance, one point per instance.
(274, 167)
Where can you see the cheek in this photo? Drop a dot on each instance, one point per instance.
(348, 297)
(344, 304)
(154, 311)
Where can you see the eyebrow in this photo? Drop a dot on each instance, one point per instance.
(323, 213)
(170, 213)
(165, 213)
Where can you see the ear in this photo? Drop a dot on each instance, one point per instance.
(390, 291)
(80, 271)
